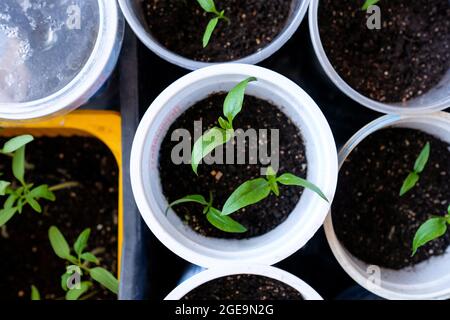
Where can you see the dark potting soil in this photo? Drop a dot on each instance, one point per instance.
(406, 58)
(244, 287)
(222, 179)
(370, 218)
(27, 257)
(179, 25)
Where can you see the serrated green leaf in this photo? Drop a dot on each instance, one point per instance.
(422, 159)
(289, 179)
(235, 98)
(35, 295)
(43, 192)
(82, 241)
(207, 143)
(212, 24)
(105, 278)
(6, 215)
(59, 243)
(16, 143)
(430, 230)
(207, 5)
(224, 223)
(409, 183)
(369, 3)
(3, 187)
(248, 193)
(87, 256)
(18, 164)
(75, 294)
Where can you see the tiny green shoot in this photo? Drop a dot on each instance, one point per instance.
(253, 191)
(217, 136)
(21, 193)
(79, 265)
(368, 4)
(214, 216)
(430, 230)
(210, 7)
(414, 176)
(35, 295)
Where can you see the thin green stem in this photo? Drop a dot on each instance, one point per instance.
(64, 185)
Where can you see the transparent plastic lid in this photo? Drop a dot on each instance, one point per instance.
(44, 44)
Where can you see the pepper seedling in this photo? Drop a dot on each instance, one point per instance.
(430, 230)
(23, 193)
(210, 7)
(256, 190)
(71, 279)
(414, 176)
(213, 215)
(369, 3)
(216, 136)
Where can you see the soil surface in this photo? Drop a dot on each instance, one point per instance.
(404, 59)
(28, 258)
(222, 179)
(244, 287)
(370, 218)
(179, 25)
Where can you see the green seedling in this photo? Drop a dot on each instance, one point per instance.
(21, 193)
(256, 190)
(430, 230)
(414, 176)
(210, 7)
(217, 136)
(369, 3)
(78, 265)
(214, 216)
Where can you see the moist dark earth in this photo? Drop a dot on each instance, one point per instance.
(403, 60)
(27, 257)
(244, 287)
(222, 179)
(179, 25)
(370, 218)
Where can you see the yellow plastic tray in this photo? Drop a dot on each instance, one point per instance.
(104, 125)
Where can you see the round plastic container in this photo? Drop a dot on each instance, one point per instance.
(438, 98)
(187, 286)
(55, 56)
(132, 10)
(427, 280)
(275, 245)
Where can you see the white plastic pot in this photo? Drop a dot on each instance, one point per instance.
(427, 280)
(438, 98)
(92, 74)
(187, 286)
(132, 10)
(277, 244)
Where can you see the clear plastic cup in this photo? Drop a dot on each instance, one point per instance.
(132, 10)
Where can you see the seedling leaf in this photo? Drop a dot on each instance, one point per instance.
(197, 198)
(87, 256)
(369, 3)
(289, 179)
(235, 98)
(6, 214)
(430, 230)
(248, 193)
(18, 164)
(105, 278)
(43, 192)
(422, 160)
(35, 295)
(212, 24)
(3, 186)
(224, 223)
(16, 143)
(81, 242)
(75, 294)
(409, 183)
(59, 243)
(207, 5)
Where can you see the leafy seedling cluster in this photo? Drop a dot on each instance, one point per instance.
(248, 193)
(432, 228)
(210, 7)
(22, 193)
(78, 266)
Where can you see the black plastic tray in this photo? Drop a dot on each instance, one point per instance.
(149, 270)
